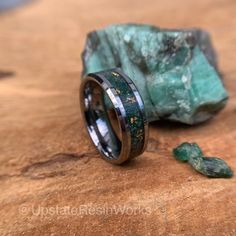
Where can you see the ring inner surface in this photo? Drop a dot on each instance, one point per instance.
(102, 121)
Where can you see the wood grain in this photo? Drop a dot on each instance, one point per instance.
(46, 158)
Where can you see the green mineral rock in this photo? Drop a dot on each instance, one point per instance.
(186, 151)
(175, 71)
(209, 166)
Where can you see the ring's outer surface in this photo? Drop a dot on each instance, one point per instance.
(114, 115)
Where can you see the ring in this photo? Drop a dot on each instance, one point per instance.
(114, 114)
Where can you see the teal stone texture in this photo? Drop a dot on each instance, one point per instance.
(185, 151)
(209, 166)
(175, 71)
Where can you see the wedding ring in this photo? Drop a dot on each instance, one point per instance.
(114, 115)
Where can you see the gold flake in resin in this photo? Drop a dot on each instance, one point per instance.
(133, 119)
(118, 91)
(115, 74)
(131, 99)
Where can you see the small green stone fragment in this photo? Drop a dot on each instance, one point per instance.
(185, 151)
(211, 167)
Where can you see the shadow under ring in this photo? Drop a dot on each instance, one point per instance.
(114, 114)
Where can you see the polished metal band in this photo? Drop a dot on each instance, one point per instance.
(114, 115)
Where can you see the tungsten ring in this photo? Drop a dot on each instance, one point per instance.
(114, 114)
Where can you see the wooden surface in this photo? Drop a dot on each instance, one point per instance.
(46, 158)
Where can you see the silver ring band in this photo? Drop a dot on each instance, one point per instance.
(114, 115)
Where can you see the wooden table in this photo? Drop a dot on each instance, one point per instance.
(52, 180)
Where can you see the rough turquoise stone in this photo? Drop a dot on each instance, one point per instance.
(210, 166)
(175, 71)
(185, 151)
